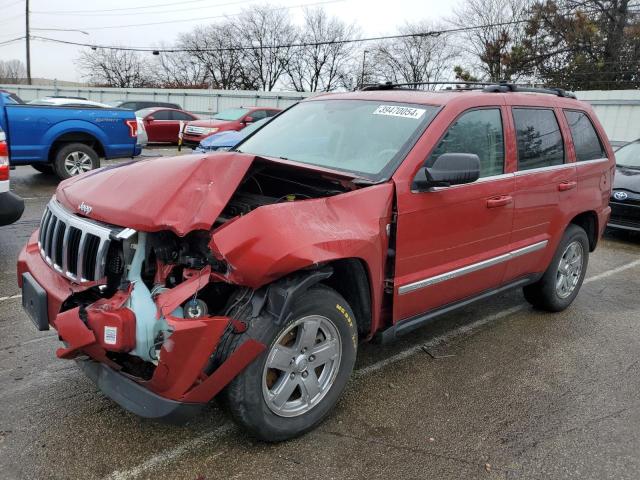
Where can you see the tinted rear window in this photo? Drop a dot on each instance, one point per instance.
(585, 139)
(539, 138)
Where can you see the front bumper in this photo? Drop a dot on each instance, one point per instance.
(11, 208)
(625, 216)
(178, 383)
(132, 396)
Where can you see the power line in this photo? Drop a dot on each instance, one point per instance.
(108, 12)
(432, 33)
(17, 39)
(198, 19)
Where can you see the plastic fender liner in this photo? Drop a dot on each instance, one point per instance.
(282, 293)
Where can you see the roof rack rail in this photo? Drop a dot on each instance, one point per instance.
(493, 87)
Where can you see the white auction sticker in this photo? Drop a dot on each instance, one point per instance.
(110, 335)
(398, 111)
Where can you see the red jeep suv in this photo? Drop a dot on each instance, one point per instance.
(255, 273)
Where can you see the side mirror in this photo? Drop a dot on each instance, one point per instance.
(448, 169)
(248, 120)
(150, 118)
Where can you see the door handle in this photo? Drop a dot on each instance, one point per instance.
(568, 185)
(500, 201)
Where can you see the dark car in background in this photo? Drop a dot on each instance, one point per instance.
(140, 104)
(232, 119)
(163, 124)
(223, 141)
(625, 198)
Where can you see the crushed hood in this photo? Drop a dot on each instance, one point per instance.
(180, 194)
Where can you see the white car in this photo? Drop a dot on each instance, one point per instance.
(68, 102)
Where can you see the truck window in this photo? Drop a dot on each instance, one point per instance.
(479, 132)
(539, 138)
(585, 139)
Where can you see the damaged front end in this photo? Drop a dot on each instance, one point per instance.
(143, 306)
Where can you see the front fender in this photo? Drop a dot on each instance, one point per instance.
(275, 240)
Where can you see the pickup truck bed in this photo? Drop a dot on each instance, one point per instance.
(67, 140)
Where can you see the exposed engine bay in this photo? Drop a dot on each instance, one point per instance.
(143, 267)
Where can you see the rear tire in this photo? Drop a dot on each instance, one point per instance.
(561, 282)
(74, 159)
(258, 398)
(45, 168)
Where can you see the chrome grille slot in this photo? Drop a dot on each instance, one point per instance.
(74, 246)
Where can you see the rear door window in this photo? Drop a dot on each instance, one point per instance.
(478, 132)
(585, 139)
(539, 139)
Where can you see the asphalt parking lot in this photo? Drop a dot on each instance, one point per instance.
(498, 390)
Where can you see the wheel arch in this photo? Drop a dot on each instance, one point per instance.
(75, 137)
(347, 276)
(588, 221)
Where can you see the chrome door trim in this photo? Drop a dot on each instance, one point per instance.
(531, 171)
(474, 267)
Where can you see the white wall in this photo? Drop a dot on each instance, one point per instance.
(618, 111)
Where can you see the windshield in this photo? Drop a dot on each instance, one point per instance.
(230, 115)
(629, 155)
(365, 137)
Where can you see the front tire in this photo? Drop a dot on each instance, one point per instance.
(561, 282)
(74, 159)
(295, 383)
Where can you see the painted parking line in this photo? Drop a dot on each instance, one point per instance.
(168, 455)
(12, 297)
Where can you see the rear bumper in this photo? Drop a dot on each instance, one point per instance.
(134, 397)
(11, 208)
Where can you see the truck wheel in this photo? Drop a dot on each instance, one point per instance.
(560, 284)
(74, 159)
(44, 168)
(295, 383)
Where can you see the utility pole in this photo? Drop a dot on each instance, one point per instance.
(27, 39)
(364, 59)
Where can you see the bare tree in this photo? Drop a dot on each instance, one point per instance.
(214, 48)
(265, 27)
(313, 67)
(494, 50)
(177, 70)
(12, 71)
(414, 58)
(114, 68)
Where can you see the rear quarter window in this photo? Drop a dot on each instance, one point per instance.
(539, 139)
(585, 139)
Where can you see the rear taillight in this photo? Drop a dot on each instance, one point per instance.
(133, 127)
(4, 158)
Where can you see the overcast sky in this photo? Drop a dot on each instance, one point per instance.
(57, 61)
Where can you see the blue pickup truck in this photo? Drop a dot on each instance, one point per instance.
(66, 141)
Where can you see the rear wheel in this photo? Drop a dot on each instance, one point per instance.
(294, 385)
(561, 283)
(44, 168)
(74, 159)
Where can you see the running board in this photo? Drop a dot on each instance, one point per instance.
(410, 324)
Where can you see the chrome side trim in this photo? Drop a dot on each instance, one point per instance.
(474, 267)
(531, 171)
